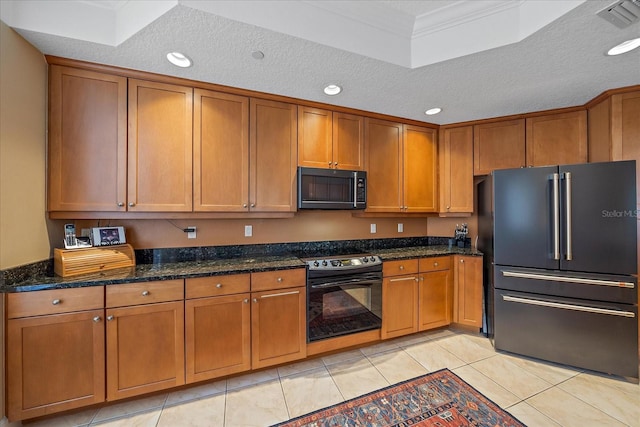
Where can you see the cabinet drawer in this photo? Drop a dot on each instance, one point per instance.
(435, 263)
(54, 301)
(279, 279)
(405, 266)
(217, 285)
(144, 293)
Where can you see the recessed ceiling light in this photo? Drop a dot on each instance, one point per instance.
(257, 54)
(432, 111)
(624, 47)
(178, 59)
(332, 90)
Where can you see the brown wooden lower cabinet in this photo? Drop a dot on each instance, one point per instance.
(278, 326)
(399, 298)
(467, 308)
(218, 336)
(145, 348)
(435, 293)
(54, 363)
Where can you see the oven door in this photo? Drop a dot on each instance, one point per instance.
(343, 305)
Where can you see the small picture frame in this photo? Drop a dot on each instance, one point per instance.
(107, 236)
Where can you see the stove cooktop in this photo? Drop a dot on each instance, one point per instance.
(342, 262)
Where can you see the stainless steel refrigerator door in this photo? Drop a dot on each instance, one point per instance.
(599, 218)
(526, 233)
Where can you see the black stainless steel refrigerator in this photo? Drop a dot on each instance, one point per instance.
(564, 248)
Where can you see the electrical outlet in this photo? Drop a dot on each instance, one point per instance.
(191, 234)
(373, 229)
(400, 227)
(248, 230)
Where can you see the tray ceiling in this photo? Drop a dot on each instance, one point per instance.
(475, 59)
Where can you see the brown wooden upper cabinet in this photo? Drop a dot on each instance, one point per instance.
(330, 140)
(87, 141)
(456, 170)
(551, 139)
(498, 145)
(557, 139)
(220, 152)
(160, 147)
(401, 164)
(272, 156)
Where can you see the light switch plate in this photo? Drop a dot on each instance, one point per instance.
(248, 230)
(373, 229)
(400, 227)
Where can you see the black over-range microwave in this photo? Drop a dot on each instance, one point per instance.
(331, 189)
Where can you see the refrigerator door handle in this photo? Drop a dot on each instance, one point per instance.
(567, 178)
(574, 307)
(579, 280)
(556, 216)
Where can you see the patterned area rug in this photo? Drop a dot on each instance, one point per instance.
(438, 399)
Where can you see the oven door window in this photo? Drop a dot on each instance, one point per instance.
(342, 309)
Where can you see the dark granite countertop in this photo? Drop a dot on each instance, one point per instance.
(187, 269)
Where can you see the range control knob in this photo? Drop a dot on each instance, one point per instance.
(324, 263)
(373, 259)
(336, 263)
(365, 259)
(316, 263)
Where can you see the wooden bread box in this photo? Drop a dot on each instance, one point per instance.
(72, 262)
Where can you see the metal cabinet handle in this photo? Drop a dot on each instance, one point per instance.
(280, 294)
(244, 205)
(255, 300)
(121, 204)
(279, 279)
(580, 280)
(448, 207)
(462, 261)
(246, 300)
(401, 279)
(109, 318)
(329, 163)
(335, 163)
(96, 319)
(56, 301)
(145, 293)
(401, 267)
(132, 204)
(573, 307)
(435, 264)
(253, 205)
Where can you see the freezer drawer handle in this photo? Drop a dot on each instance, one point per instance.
(569, 306)
(579, 280)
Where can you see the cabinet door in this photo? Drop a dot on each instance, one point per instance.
(220, 152)
(55, 363)
(145, 349)
(625, 131)
(467, 308)
(278, 326)
(383, 154)
(314, 138)
(456, 170)
(272, 156)
(399, 306)
(498, 145)
(557, 139)
(87, 141)
(160, 147)
(218, 336)
(435, 297)
(348, 141)
(420, 161)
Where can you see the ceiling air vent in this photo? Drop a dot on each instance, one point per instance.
(621, 13)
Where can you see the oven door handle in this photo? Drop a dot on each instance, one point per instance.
(574, 307)
(354, 282)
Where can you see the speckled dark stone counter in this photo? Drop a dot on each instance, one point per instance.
(180, 263)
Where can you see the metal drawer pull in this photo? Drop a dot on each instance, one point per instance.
(219, 285)
(96, 319)
(569, 306)
(279, 279)
(580, 280)
(109, 318)
(400, 279)
(435, 264)
(56, 301)
(401, 267)
(280, 294)
(145, 293)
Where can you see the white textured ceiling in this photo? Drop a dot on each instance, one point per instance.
(499, 59)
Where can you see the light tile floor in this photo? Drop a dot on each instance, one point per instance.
(537, 393)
